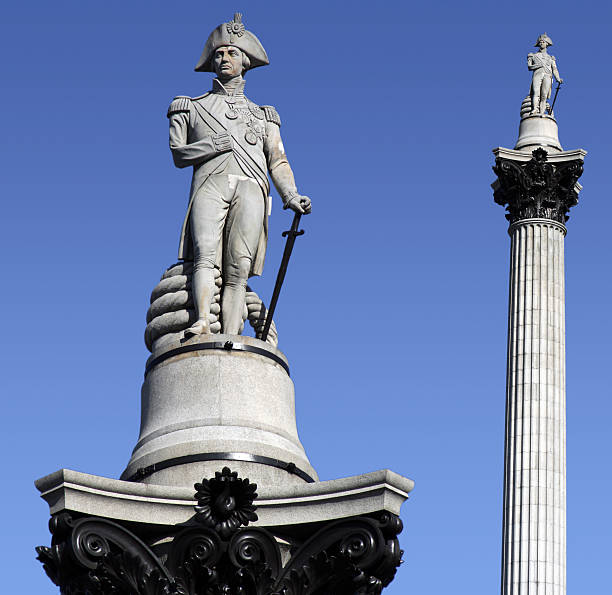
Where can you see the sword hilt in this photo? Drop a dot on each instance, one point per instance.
(294, 232)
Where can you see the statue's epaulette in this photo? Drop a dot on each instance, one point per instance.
(271, 114)
(179, 104)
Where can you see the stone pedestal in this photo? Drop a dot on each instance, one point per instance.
(538, 190)
(538, 131)
(213, 399)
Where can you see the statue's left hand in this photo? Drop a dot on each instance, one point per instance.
(299, 204)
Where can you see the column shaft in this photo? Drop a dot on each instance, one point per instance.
(533, 557)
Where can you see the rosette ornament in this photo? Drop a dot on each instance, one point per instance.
(225, 502)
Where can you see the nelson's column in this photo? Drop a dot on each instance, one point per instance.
(219, 496)
(538, 184)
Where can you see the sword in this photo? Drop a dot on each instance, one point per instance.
(554, 98)
(290, 234)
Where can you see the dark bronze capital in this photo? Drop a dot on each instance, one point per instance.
(537, 188)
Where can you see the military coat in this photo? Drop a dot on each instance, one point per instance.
(257, 148)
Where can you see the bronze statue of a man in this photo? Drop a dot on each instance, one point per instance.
(232, 144)
(544, 67)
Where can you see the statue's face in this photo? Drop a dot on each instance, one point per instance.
(228, 61)
(543, 44)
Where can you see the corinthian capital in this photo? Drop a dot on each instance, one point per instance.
(537, 188)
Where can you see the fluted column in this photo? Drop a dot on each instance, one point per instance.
(538, 194)
(534, 491)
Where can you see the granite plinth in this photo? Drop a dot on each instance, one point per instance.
(218, 398)
(538, 131)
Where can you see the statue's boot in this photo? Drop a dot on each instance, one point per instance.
(203, 289)
(535, 105)
(232, 307)
(199, 327)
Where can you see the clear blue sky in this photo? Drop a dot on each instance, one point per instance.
(394, 311)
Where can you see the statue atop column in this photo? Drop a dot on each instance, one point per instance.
(544, 67)
(232, 145)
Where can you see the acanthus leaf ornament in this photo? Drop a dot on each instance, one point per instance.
(94, 556)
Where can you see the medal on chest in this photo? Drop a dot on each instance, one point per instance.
(231, 113)
(251, 115)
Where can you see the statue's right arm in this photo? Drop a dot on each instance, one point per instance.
(185, 153)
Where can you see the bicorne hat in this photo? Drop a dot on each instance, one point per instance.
(232, 33)
(543, 37)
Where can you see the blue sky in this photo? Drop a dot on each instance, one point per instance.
(394, 310)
